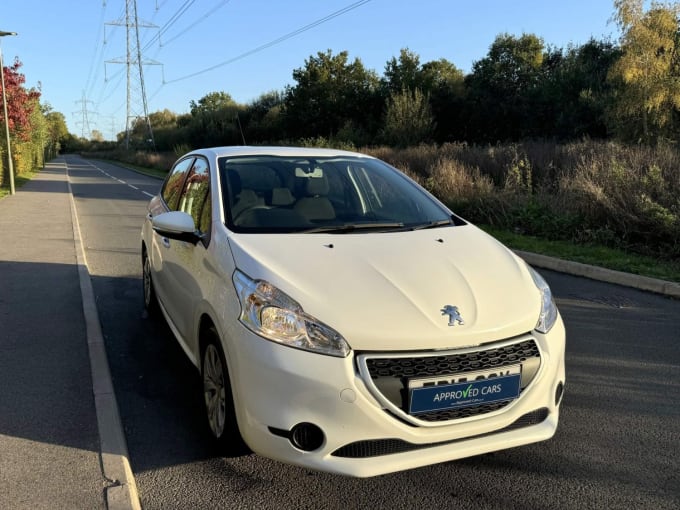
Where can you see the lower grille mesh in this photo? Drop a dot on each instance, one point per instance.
(379, 447)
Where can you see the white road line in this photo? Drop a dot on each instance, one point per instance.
(117, 179)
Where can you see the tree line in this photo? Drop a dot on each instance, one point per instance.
(521, 89)
(36, 131)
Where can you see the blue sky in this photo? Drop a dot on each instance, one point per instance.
(61, 43)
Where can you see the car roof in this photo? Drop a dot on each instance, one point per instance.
(275, 151)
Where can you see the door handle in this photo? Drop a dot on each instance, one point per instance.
(166, 242)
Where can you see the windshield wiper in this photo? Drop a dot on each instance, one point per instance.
(352, 227)
(431, 224)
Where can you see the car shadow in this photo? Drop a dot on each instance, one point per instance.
(45, 382)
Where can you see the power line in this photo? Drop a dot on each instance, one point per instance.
(281, 39)
(97, 48)
(199, 20)
(155, 93)
(173, 19)
(152, 19)
(103, 99)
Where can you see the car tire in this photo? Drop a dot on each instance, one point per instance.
(149, 293)
(218, 402)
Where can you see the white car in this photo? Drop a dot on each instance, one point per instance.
(343, 319)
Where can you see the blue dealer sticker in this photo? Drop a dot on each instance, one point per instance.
(464, 394)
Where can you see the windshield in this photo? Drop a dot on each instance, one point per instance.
(336, 194)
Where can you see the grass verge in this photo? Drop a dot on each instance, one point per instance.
(594, 255)
(19, 181)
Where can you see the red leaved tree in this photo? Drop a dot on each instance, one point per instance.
(20, 102)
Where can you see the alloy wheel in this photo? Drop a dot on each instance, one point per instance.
(214, 390)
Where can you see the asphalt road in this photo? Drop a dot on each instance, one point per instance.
(616, 447)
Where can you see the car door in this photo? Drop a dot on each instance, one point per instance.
(168, 200)
(183, 267)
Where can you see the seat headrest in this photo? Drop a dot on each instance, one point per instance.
(317, 186)
(247, 196)
(282, 197)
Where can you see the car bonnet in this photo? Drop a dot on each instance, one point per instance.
(398, 290)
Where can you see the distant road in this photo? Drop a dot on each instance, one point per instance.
(617, 445)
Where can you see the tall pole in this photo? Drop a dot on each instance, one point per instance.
(135, 76)
(128, 61)
(10, 165)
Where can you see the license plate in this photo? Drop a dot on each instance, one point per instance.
(464, 390)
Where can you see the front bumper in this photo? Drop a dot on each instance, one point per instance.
(277, 388)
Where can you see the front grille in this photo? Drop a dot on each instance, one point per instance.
(432, 365)
(390, 374)
(378, 447)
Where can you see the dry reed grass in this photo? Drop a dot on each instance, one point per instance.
(587, 191)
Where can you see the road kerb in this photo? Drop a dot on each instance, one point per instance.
(122, 493)
(646, 283)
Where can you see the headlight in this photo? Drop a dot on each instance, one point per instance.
(548, 314)
(272, 314)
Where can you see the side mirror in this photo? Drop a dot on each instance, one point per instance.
(176, 225)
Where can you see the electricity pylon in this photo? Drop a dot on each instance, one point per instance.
(136, 93)
(86, 132)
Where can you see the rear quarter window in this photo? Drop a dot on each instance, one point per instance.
(174, 183)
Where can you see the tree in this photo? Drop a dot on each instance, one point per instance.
(263, 119)
(210, 103)
(501, 86)
(165, 130)
(24, 121)
(404, 73)
(214, 120)
(20, 101)
(332, 93)
(647, 71)
(56, 126)
(57, 132)
(440, 73)
(445, 85)
(574, 92)
(163, 119)
(408, 120)
(439, 80)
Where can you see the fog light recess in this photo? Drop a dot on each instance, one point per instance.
(559, 392)
(306, 437)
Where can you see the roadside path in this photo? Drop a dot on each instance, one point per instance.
(60, 435)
